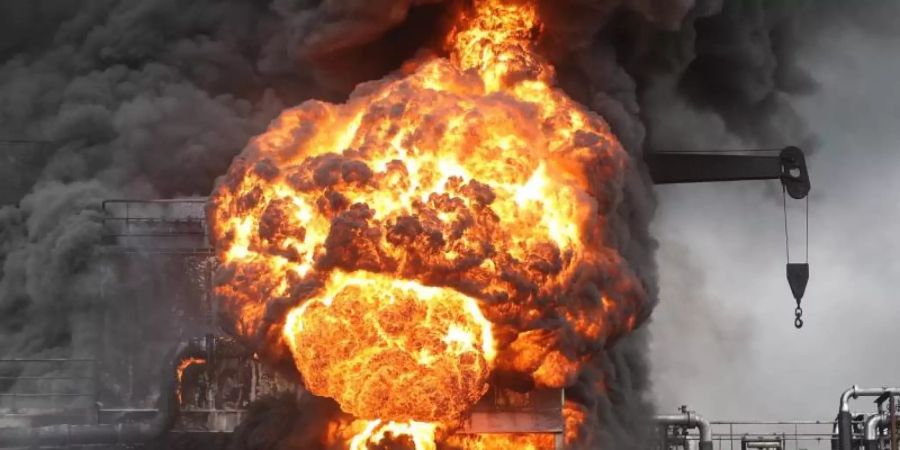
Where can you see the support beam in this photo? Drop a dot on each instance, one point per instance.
(789, 166)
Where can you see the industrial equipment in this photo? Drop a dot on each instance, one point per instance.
(673, 430)
(879, 430)
(787, 165)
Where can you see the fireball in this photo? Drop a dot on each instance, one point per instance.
(444, 223)
(391, 349)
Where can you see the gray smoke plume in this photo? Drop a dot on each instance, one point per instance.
(129, 99)
(153, 98)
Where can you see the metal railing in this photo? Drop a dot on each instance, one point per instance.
(47, 385)
(751, 434)
(154, 218)
(175, 226)
(774, 434)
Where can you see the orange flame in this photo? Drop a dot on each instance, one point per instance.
(574, 415)
(421, 434)
(368, 338)
(444, 222)
(179, 372)
(527, 441)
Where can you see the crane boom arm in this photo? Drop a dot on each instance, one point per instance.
(789, 166)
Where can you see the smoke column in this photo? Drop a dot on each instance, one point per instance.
(153, 98)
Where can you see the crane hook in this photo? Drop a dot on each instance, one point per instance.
(798, 276)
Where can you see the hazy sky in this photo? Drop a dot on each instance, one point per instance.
(724, 341)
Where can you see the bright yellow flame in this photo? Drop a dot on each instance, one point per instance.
(421, 434)
(368, 336)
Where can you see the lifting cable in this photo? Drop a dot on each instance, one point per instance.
(797, 273)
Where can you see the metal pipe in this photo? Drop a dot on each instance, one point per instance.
(771, 422)
(892, 407)
(768, 443)
(873, 423)
(835, 436)
(856, 392)
(845, 434)
(844, 431)
(65, 435)
(690, 419)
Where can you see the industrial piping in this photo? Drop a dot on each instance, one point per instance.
(690, 419)
(845, 434)
(873, 423)
(65, 435)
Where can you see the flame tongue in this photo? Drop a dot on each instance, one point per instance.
(497, 41)
(385, 218)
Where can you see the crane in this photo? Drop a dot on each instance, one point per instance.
(787, 165)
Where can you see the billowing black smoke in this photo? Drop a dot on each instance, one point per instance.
(153, 98)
